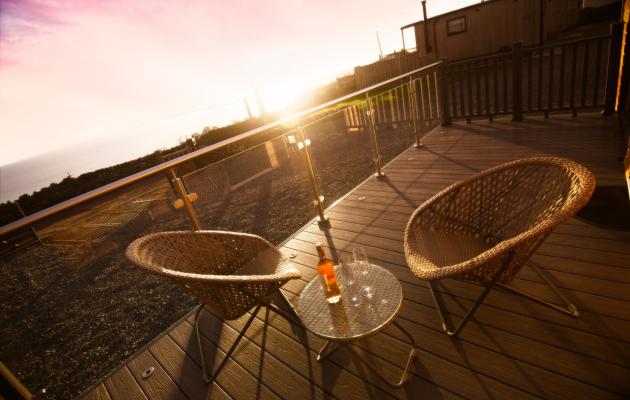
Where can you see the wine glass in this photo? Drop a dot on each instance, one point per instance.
(355, 298)
(347, 269)
(361, 259)
(363, 265)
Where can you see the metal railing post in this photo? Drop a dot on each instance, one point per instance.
(414, 108)
(185, 198)
(303, 144)
(437, 95)
(377, 155)
(443, 90)
(517, 82)
(614, 57)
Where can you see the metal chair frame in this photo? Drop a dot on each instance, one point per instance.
(291, 317)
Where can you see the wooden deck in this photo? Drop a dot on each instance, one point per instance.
(513, 349)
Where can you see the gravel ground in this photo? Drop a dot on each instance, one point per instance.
(67, 322)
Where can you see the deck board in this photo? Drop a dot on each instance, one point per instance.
(512, 349)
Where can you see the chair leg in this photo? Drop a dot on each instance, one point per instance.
(569, 309)
(290, 315)
(448, 330)
(329, 348)
(404, 377)
(473, 308)
(210, 378)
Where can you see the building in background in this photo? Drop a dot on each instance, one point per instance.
(493, 26)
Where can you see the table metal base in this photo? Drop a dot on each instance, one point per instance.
(331, 346)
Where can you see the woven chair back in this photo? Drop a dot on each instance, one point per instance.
(511, 207)
(229, 272)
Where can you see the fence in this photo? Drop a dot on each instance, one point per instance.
(562, 76)
(386, 68)
(565, 76)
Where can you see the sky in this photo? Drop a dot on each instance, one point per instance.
(77, 71)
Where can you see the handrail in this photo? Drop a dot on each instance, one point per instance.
(528, 49)
(30, 219)
(565, 42)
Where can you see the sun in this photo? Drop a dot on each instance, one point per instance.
(280, 95)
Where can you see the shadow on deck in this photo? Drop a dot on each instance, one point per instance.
(512, 349)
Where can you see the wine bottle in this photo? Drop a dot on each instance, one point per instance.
(327, 272)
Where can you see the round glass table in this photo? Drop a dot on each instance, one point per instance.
(371, 299)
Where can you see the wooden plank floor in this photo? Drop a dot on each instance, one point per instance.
(513, 349)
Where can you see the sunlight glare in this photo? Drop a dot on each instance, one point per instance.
(281, 95)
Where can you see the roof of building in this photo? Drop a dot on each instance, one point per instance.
(482, 3)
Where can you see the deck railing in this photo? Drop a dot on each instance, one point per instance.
(556, 77)
(562, 76)
(391, 94)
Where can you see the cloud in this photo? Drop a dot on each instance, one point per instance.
(71, 70)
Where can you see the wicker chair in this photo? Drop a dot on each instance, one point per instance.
(487, 227)
(229, 272)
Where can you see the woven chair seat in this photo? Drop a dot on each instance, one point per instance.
(229, 272)
(432, 251)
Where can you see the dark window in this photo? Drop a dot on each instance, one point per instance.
(456, 25)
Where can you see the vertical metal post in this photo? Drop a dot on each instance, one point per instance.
(552, 57)
(181, 191)
(541, 56)
(585, 74)
(624, 73)
(562, 77)
(469, 87)
(413, 107)
(614, 58)
(377, 155)
(437, 96)
(429, 97)
(402, 100)
(572, 95)
(460, 81)
(391, 107)
(478, 67)
(530, 84)
(598, 67)
(517, 82)
(424, 111)
(398, 116)
(443, 89)
(303, 144)
(486, 88)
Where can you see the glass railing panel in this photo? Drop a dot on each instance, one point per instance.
(73, 307)
(264, 190)
(341, 149)
(396, 132)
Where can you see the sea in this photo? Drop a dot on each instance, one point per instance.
(29, 175)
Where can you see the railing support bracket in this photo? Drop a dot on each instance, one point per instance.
(185, 199)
